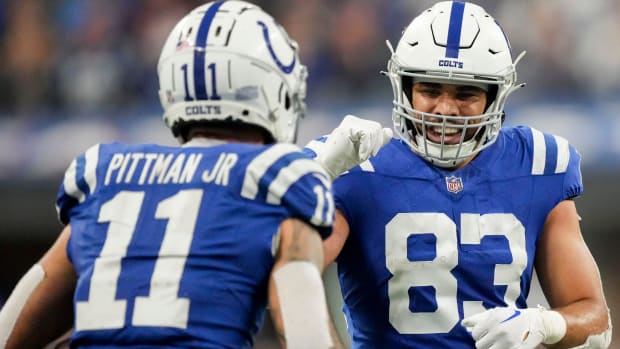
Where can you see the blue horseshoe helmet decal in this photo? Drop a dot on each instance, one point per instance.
(285, 68)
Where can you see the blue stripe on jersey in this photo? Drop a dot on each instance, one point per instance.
(70, 182)
(64, 202)
(199, 55)
(289, 175)
(80, 179)
(274, 170)
(310, 152)
(454, 30)
(257, 168)
(551, 156)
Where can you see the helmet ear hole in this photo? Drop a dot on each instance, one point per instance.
(491, 95)
(407, 83)
(287, 101)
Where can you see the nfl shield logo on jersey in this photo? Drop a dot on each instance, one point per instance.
(454, 184)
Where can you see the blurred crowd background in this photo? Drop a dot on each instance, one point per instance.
(76, 59)
(74, 72)
(89, 68)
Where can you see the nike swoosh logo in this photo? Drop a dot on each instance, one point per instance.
(516, 313)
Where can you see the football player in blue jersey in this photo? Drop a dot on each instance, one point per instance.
(439, 234)
(184, 247)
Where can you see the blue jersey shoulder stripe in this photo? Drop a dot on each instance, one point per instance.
(563, 154)
(274, 171)
(551, 153)
(80, 168)
(290, 174)
(260, 164)
(81, 176)
(89, 177)
(69, 183)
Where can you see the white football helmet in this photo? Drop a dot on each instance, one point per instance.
(231, 62)
(453, 42)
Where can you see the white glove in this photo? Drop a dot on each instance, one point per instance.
(510, 328)
(348, 145)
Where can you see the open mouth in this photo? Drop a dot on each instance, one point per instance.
(450, 135)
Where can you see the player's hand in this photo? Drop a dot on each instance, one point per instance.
(511, 328)
(351, 143)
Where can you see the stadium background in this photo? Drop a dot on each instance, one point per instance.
(74, 73)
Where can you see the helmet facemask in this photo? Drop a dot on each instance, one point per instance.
(420, 57)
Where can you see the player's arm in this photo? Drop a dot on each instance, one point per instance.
(296, 293)
(40, 307)
(570, 279)
(571, 282)
(334, 243)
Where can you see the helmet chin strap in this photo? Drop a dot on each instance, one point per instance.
(432, 151)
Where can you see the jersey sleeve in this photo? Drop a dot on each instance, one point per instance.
(80, 181)
(573, 185)
(284, 175)
(553, 156)
(354, 196)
